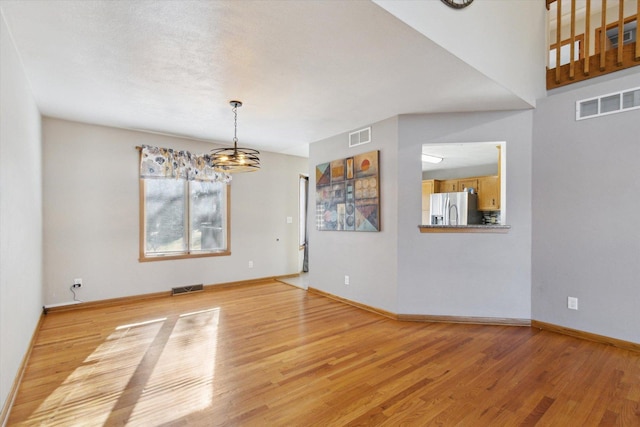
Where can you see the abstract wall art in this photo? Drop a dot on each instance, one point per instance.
(348, 194)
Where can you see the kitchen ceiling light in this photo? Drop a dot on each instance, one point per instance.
(431, 159)
(234, 160)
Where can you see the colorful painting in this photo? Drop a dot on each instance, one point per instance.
(337, 170)
(350, 168)
(323, 176)
(348, 194)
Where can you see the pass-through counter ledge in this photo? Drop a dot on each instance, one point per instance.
(473, 228)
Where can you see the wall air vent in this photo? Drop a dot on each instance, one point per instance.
(360, 137)
(608, 104)
(186, 289)
(629, 32)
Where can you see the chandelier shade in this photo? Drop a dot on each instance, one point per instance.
(236, 159)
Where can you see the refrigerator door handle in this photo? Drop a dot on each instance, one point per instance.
(445, 213)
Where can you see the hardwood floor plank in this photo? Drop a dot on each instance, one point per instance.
(272, 354)
(539, 411)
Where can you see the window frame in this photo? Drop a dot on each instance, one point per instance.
(303, 230)
(143, 257)
(598, 99)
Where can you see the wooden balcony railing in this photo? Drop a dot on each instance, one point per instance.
(589, 38)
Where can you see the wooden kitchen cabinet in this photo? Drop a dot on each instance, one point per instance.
(456, 185)
(464, 184)
(489, 193)
(429, 187)
(487, 187)
(448, 186)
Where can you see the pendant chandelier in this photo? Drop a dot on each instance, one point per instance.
(234, 160)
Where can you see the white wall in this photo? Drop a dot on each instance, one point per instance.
(20, 214)
(404, 271)
(368, 258)
(500, 38)
(481, 275)
(586, 204)
(91, 217)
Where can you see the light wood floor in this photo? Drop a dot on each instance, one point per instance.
(275, 355)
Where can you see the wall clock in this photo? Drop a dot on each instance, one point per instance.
(457, 4)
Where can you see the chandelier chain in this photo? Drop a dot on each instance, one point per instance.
(235, 125)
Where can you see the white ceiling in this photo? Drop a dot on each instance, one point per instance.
(461, 155)
(305, 70)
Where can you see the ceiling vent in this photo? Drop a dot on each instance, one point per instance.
(360, 137)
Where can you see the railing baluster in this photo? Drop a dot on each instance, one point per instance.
(591, 37)
(603, 36)
(587, 38)
(620, 31)
(572, 47)
(558, 37)
(637, 58)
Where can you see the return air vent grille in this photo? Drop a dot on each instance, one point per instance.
(360, 137)
(608, 104)
(186, 289)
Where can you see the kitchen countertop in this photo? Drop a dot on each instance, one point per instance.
(471, 228)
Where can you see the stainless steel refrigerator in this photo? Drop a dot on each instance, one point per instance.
(455, 209)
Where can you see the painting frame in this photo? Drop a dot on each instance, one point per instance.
(348, 193)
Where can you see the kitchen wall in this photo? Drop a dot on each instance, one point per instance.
(20, 214)
(482, 275)
(586, 242)
(91, 217)
(368, 258)
(404, 271)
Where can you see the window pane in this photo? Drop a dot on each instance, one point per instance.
(589, 108)
(207, 217)
(610, 103)
(631, 99)
(164, 216)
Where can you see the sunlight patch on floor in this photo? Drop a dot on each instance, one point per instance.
(165, 372)
(182, 380)
(91, 391)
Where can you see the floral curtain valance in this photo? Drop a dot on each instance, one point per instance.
(169, 163)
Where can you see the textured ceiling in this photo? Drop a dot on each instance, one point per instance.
(305, 70)
(461, 155)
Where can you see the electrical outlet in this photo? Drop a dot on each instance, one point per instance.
(250, 264)
(346, 280)
(77, 283)
(572, 303)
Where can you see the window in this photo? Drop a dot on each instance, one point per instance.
(181, 218)
(608, 104)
